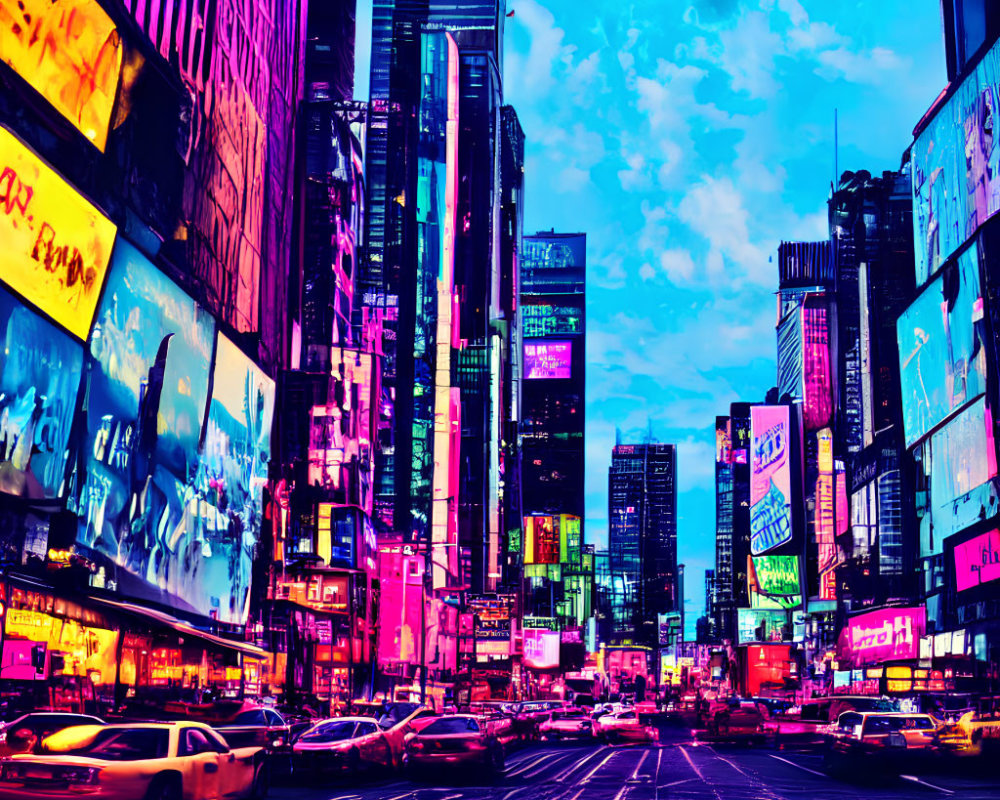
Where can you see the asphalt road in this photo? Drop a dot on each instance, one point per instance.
(678, 768)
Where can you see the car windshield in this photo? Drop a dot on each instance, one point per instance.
(336, 731)
(122, 744)
(397, 712)
(450, 725)
(568, 715)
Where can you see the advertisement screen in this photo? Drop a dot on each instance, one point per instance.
(941, 353)
(541, 648)
(770, 512)
(544, 319)
(56, 245)
(885, 635)
(760, 625)
(70, 52)
(723, 441)
(175, 522)
(40, 369)
(817, 401)
(548, 360)
(541, 540)
(962, 456)
(569, 539)
(774, 581)
(977, 561)
(139, 508)
(956, 168)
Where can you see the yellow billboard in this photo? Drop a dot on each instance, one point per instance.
(56, 245)
(70, 52)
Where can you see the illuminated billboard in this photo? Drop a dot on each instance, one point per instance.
(40, 369)
(817, 400)
(56, 245)
(174, 522)
(977, 561)
(723, 441)
(884, 635)
(826, 517)
(773, 581)
(761, 625)
(541, 540)
(544, 319)
(70, 52)
(569, 539)
(941, 353)
(770, 512)
(548, 360)
(541, 648)
(956, 168)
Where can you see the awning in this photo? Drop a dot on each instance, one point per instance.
(183, 628)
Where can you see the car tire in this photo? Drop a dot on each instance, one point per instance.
(353, 764)
(164, 787)
(261, 783)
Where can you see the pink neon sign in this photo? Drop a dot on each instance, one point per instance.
(541, 648)
(891, 633)
(977, 561)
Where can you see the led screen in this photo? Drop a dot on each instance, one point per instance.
(70, 52)
(941, 353)
(885, 635)
(548, 360)
(541, 539)
(956, 168)
(723, 441)
(548, 320)
(569, 539)
(962, 456)
(774, 581)
(139, 508)
(760, 624)
(817, 402)
(977, 561)
(40, 370)
(541, 648)
(770, 512)
(56, 245)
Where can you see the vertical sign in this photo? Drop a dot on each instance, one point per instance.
(770, 479)
(825, 520)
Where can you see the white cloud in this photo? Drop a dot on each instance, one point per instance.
(678, 265)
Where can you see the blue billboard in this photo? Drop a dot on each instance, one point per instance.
(40, 369)
(941, 354)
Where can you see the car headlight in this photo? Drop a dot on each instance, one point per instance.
(77, 775)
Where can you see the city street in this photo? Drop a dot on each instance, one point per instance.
(677, 768)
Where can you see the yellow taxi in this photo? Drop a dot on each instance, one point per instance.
(151, 761)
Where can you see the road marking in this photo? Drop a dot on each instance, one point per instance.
(925, 783)
(677, 783)
(621, 792)
(401, 796)
(799, 766)
(577, 795)
(696, 770)
(577, 765)
(638, 766)
(554, 762)
(525, 768)
(591, 773)
(727, 761)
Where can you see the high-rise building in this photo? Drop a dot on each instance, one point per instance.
(642, 534)
(723, 611)
(552, 380)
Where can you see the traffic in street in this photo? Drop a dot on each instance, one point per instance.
(678, 766)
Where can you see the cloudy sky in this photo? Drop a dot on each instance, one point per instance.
(687, 139)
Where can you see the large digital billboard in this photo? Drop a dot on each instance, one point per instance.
(941, 353)
(541, 540)
(544, 319)
(977, 561)
(40, 368)
(884, 635)
(56, 245)
(761, 625)
(70, 52)
(548, 360)
(956, 168)
(825, 518)
(770, 478)
(817, 399)
(541, 648)
(774, 582)
(139, 507)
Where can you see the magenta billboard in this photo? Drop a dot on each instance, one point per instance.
(541, 648)
(770, 479)
(548, 360)
(977, 561)
(886, 635)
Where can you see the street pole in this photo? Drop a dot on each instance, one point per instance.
(423, 630)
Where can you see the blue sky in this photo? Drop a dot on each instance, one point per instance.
(687, 139)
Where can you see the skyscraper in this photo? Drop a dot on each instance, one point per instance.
(642, 536)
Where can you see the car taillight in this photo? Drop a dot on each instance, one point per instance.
(11, 772)
(415, 744)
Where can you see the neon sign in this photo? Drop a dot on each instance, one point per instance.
(977, 561)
